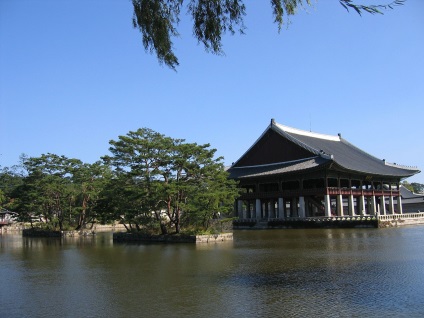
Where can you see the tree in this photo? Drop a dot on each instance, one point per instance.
(414, 186)
(165, 183)
(417, 187)
(157, 21)
(10, 179)
(88, 181)
(59, 191)
(46, 192)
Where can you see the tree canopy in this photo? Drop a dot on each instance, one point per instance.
(57, 191)
(414, 186)
(150, 183)
(157, 21)
(166, 183)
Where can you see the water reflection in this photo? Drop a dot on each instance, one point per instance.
(283, 273)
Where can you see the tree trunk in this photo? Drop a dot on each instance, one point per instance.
(177, 221)
(83, 214)
(163, 228)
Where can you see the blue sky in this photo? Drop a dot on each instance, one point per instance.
(74, 75)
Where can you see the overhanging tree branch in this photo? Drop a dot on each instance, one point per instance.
(373, 9)
(157, 21)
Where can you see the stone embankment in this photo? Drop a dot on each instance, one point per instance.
(34, 232)
(308, 223)
(139, 237)
(380, 221)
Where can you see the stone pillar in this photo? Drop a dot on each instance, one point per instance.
(293, 207)
(399, 205)
(373, 206)
(339, 205)
(362, 205)
(302, 210)
(382, 205)
(391, 205)
(258, 209)
(368, 205)
(281, 208)
(351, 205)
(327, 206)
(240, 209)
(271, 209)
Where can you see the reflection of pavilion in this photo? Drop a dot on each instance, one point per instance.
(289, 172)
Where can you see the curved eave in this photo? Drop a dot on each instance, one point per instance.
(277, 169)
(391, 171)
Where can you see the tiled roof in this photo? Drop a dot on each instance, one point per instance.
(344, 153)
(323, 148)
(410, 196)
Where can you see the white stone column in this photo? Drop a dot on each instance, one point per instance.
(240, 209)
(361, 205)
(302, 213)
(391, 205)
(339, 205)
(373, 206)
(351, 205)
(258, 209)
(399, 205)
(271, 209)
(382, 205)
(281, 208)
(293, 207)
(327, 205)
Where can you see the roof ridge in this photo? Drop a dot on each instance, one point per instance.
(286, 132)
(399, 166)
(297, 131)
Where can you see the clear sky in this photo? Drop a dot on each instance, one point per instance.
(74, 75)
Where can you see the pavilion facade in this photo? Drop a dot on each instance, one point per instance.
(292, 173)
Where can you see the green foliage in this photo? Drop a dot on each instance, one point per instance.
(418, 187)
(10, 179)
(414, 186)
(167, 181)
(58, 191)
(150, 183)
(157, 21)
(408, 186)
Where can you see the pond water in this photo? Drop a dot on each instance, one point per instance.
(280, 273)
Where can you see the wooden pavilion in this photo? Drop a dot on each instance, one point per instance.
(292, 173)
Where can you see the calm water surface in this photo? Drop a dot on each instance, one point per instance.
(280, 273)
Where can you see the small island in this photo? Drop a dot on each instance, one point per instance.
(155, 187)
